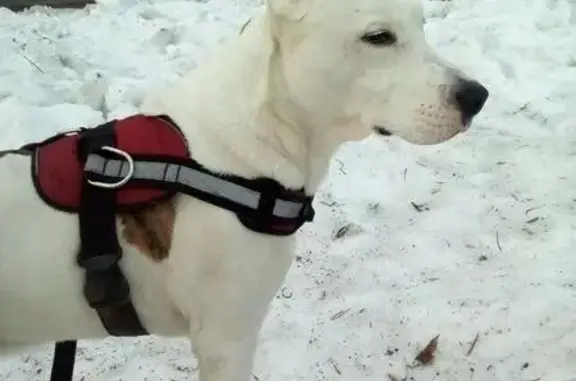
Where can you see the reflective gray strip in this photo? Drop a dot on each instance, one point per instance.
(173, 173)
(288, 209)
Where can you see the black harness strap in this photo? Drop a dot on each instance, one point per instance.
(105, 288)
(262, 205)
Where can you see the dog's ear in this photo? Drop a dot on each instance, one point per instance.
(287, 9)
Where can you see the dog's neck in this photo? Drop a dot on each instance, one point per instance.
(238, 120)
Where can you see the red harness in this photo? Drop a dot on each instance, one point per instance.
(57, 167)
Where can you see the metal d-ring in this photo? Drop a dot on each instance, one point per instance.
(126, 178)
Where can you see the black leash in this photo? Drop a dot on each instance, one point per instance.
(63, 362)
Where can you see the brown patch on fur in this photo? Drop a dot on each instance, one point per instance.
(150, 229)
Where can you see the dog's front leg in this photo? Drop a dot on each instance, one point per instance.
(223, 355)
(225, 331)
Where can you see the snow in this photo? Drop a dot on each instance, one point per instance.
(471, 237)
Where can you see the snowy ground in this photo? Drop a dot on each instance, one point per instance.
(473, 237)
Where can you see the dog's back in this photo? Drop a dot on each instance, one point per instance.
(38, 275)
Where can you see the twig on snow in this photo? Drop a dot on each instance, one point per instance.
(341, 166)
(243, 27)
(532, 209)
(419, 207)
(339, 314)
(347, 230)
(30, 61)
(341, 232)
(498, 241)
(473, 344)
(335, 366)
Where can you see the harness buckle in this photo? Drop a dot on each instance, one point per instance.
(307, 213)
(99, 263)
(106, 288)
(122, 181)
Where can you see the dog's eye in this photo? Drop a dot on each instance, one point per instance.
(379, 38)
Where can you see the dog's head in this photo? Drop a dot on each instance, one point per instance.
(367, 61)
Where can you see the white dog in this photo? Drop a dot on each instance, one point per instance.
(276, 101)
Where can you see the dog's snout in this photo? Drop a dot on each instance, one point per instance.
(470, 97)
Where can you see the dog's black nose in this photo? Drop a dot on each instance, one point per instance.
(470, 97)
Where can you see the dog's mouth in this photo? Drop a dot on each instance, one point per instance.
(466, 122)
(382, 131)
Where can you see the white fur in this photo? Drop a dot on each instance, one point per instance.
(275, 101)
